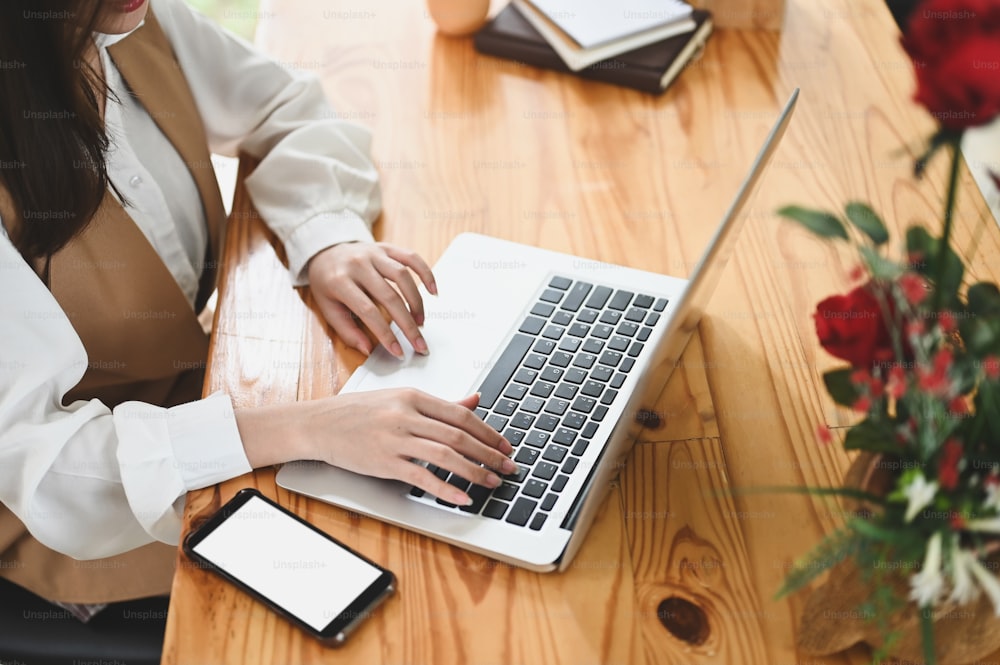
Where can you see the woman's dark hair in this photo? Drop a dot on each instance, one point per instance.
(52, 138)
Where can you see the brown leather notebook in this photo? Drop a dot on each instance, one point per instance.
(650, 68)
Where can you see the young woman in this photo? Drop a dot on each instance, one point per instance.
(112, 229)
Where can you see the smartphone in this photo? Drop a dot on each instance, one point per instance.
(301, 573)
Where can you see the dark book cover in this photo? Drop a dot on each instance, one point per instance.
(509, 35)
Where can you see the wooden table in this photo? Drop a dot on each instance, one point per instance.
(678, 567)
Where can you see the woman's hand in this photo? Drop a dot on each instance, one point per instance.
(358, 278)
(378, 434)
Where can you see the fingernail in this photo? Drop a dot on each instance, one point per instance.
(433, 288)
(508, 466)
(365, 349)
(421, 346)
(461, 499)
(419, 319)
(492, 480)
(396, 349)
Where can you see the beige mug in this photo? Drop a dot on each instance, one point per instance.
(458, 17)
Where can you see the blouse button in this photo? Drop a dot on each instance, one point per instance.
(135, 180)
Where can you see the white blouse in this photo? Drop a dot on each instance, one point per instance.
(91, 482)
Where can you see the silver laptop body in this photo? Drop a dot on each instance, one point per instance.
(489, 292)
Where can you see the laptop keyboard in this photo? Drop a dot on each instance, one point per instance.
(551, 388)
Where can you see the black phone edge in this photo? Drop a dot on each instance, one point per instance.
(340, 627)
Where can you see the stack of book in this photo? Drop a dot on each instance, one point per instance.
(642, 44)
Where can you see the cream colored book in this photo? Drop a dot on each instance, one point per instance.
(578, 57)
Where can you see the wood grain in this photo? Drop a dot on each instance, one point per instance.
(684, 560)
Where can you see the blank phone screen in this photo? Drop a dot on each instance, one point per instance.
(310, 576)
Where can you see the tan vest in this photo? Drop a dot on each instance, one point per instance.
(142, 338)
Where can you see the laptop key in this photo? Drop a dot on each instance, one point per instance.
(570, 344)
(495, 509)
(506, 492)
(526, 456)
(417, 491)
(459, 482)
(515, 391)
(542, 389)
(620, 300)
(609, 397)
(574, 420)
(576, 376)
(584, 404)
(627, 328)
(505, 366)
(545, 470)
(519, 475)
(627, 364)
(599, 413)
(562, 318)
(561, 359)
(554, 453)
(570, 465)
(585, 360)
(580, 447)
(643, 301)
(611, 358)
(588, 430)
(618, 381)
(544, 346)
(592, 389)
(479, 494)
(515, 436)
(593, 346)
(505, 407)
(553, 332)
(644, 333)
(532, 325)
(601, 373)
(547, 422)
(496, 422)
(564, 436)
(579, 330)
(559, 483)
(532, 404)
(521, 511)
(537, 439)
(586, 316)
(635, 314)
(522, 420)
(481, 413)
(542, 309)
(652, 319)
(618, 343)
(566, 390)
(598, 297)
(576, 296)
(534, 361)
(534, 488)
(635, 349)
(556, 406)
(551, 295)
(552, 374)
(660, 304)
(611, 316)
(548, 502)
(537, 522)
(602, 331)
(561, 283)
(526, 376)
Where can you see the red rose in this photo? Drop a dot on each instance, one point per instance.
(951, 455)
(852, 328)
(955, 47)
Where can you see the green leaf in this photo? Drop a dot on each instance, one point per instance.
(820, 223)
(868, 435)
(872, 531)
(984, 299)
(867, 221)
(879, 266)
(831, 550)
(839, 385)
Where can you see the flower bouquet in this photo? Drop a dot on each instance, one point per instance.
(921, 340)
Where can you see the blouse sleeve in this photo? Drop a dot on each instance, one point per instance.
(316, 185)
(85, 480)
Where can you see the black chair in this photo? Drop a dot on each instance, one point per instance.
(35, 632)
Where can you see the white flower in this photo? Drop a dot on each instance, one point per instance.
(927, 585)
(963, 588)
(989, 525)
(919, 493)
(992, 496)
(988, 582)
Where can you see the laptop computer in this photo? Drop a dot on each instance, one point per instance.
(562, 349)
